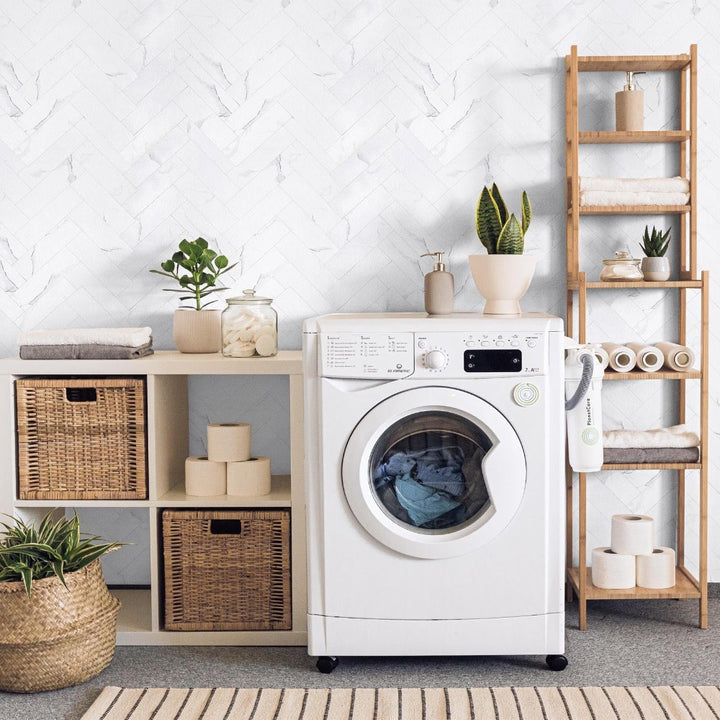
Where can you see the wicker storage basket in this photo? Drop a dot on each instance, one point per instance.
(59, 636)
(81, 438)
(227, 570)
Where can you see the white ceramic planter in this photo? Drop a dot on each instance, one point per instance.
(197, 331)
(502, 280)
(655, 269)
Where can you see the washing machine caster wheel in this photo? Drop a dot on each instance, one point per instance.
(556, 662)
(327, 663)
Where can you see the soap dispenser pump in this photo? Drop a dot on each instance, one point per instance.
(629, 104)
(439, 287)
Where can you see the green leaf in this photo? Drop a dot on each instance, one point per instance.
(178, 257)
(221, 262)
(487, 221)
(168, 266)
(501, 206)
(202, 243)
(526, 212)
(511, 240)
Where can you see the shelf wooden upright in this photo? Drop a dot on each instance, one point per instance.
(687, 585)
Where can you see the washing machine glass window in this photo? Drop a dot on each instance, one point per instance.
(426, 471)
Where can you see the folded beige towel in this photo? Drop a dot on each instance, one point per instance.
(127, 337)
(613, 197)
(665, 185)
(676, 436)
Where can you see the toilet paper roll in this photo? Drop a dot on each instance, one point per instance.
(632, 534)
(656, 570)
(249, 477)
(204, 477)
(649, 358)
(228, 442)
(620, 357)
(601, 354)
(677, 357)
(611, 570)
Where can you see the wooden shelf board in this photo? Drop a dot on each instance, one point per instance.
(216, 637)
(134, 616)
(596, 137)
(652, 466)
(631, 210)
(574, 284)
(70, 503)
(622, 63)
(685, 588)
(660, 375)
(162, 362)
(279, 496)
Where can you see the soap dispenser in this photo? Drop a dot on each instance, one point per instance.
(629, 104)
(439, 287)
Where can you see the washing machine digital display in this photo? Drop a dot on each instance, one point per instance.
(488, 361)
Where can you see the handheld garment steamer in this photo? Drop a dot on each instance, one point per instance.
(583, 408)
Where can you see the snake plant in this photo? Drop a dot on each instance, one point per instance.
(53, 549)
(499, 232)
(655, 243)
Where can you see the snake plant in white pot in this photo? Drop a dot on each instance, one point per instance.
(504, 274)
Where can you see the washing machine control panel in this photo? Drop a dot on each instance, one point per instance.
(367, 355)
(421, 355)
(455, 354)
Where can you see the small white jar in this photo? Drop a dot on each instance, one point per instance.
(249, 326)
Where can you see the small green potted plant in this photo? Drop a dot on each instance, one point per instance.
(196, 269)
(504, 274)
(655, 266)
(57, 617)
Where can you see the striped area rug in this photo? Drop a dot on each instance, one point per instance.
(502, 703)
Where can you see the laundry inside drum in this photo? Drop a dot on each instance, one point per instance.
(426, 471)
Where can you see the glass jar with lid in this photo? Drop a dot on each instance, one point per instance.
(249, 326)
(622, 268)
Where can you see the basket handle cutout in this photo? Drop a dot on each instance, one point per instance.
(225, 527)
(77, 394)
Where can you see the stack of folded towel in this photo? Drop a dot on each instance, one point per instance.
(634, 191)
(676, 444)
(86, 344)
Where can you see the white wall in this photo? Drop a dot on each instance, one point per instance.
(325, 144)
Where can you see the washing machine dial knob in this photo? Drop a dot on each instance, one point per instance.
(435, 359)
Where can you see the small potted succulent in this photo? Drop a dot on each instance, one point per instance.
(196, 268)
(57, 619)
(655, 266)
(504, 274)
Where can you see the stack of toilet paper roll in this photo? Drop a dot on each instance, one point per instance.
(649, 358)
(229, 467)
(632, 558)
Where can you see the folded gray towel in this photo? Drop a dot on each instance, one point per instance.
(90, 351)
(650, 455)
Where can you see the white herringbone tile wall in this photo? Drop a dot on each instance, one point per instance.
(325, 144)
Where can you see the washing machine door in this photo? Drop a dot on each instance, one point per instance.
(434, 472)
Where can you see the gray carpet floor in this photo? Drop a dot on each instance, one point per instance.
(626, 643)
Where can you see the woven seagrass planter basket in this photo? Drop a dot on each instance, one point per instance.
(59, 636)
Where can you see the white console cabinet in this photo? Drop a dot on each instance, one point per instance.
(166, 374)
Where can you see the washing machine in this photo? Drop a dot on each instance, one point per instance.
(435, 485)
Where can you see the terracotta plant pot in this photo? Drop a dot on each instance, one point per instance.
(197, 331)
(655, 269)
(502, 280)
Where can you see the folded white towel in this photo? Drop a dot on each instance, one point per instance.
(676, 436)
(127, 337)
(668, 185)
(611, 197)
